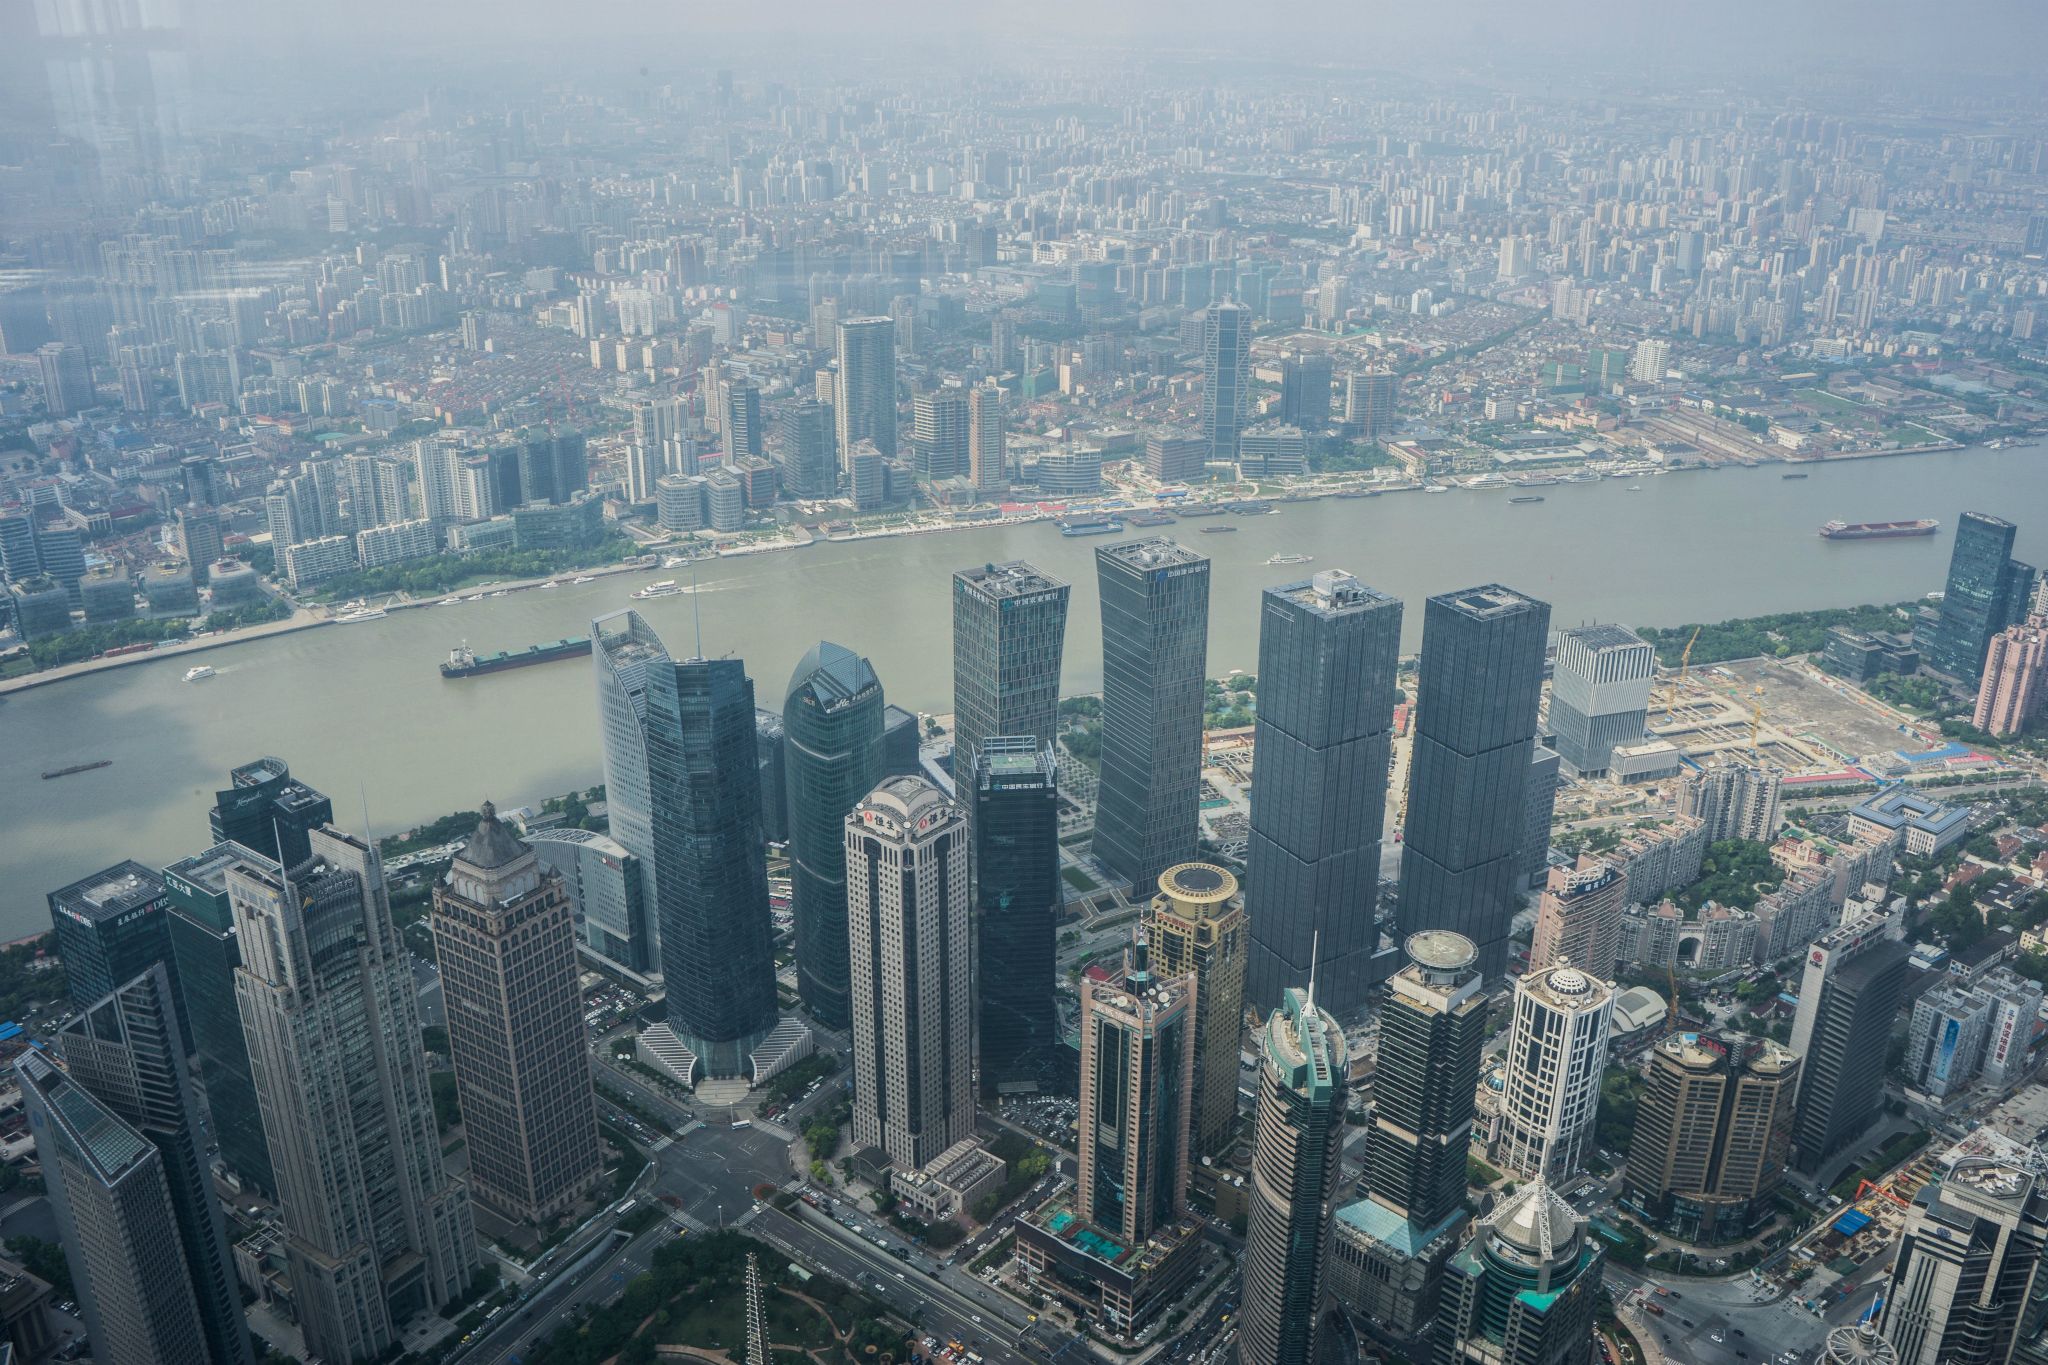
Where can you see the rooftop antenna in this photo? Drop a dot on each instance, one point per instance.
(1315, 947)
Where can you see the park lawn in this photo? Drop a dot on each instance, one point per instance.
(720, 1322)
(1911, 435)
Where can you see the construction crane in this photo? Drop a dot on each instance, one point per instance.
(1685, 659)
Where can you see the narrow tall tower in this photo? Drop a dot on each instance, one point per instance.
(505, 936)
(866, 406)
(1137, 1069)
(624, 648)
(1226, 377)
(1009, 637)
(1969, 1265)
(1017, 897)
(1299, 1138)
(1557, 1049)
(1196, 927)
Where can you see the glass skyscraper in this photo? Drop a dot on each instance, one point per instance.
(1481, 675)
(716, 937)
(625, 649)
(1009, 635)
(1226, 377)
(1155, 649)
(832, 727)
(1327, 654)
(264, 810)
(1016, 826)
(111, 927)
(1975, 606)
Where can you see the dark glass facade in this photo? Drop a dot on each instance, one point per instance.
(1841, 1080)
(265, 810)
(1974, 606)
(1327, 655)
(832, 736)
(716, 939)
(203, 943)
(1430, 1041)
(1017, 900)
(1009, 637)
(111, 928)
(1155, 649)
(1481, 675)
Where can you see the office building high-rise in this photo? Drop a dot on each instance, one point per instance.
(112, 1201)
(739, 419)
(203, 943)
(1854, 979)
(1009, 636)
(1557, 1050)
(1967, 1282)
(1137, 1073)
(1976, 604)
(1712, 1134)
(124, 1050)
(832, 729)
(66, 374)
(1297, 1142)
(1369, 403)
(625, 650)
(1578, 916)
(804, 431)
(111, 927)
(1155, 647)
(913, 1030)
(505, 937)
(1388, 1248)
(1524, 1288)
(1226, 377)
(1305, 392)
(1327, 654)
(1017, 898)
(1599, 694)
(266, 811)
(865, 404)
(375, 1230)
(988, 456)
(717, 937)
(1481, 674)
(939, 444)
(199, 537)
(1196, 927)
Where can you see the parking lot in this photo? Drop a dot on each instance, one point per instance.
(1047, 1116)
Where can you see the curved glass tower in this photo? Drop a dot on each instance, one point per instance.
(624, 648)
(832, 737)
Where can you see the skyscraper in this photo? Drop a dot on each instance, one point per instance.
(1137, 1072)
(1968, 1269)
(376, 1230)
(1975, 605)
(913, 1029)
(203, 943)
(2015, 682)
(804, 432)
(266, 811)
(125, 1051)
(832, 731)
(987, 443)
(1713, 1130)
(1305, 392)
(1388, 1248)
(625, 650)
(1009, 636)
(1155, 647)
(1226, 377)
(114, 1215)
(1327, 654)
(1369, 403)
(505, 938)
(1854, 979)
(1524, 1288)
(1578, 917)
(1196, 927)
(111, 927)
(740, 417)
(66, 373)
(1297, 1142)
(939, 433)
(1481, 674)
(1017, 898)
(1557, 1049)
(866, 399)
(1599, 694)
(718, 958)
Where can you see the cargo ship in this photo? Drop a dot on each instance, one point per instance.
(1878, 530)
(466, 663)
(1091, 526)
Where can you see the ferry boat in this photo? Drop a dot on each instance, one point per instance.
(1091, 526)
(1528, 497)
(667, 587)
(358, 610)
(1291, 559)
(464, 662)
(1435, 488)
(583, 578)
(1878, 530)
(195, 674)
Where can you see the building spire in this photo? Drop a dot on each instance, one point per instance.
(1315, 947)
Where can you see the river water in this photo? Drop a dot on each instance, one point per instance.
(360, 711)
